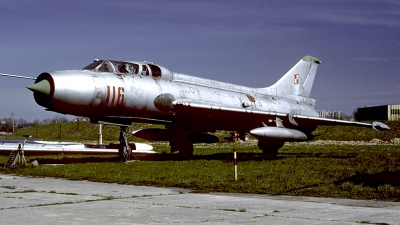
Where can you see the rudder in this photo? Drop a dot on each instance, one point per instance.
(298, 80)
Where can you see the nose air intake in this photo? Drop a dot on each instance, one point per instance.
(43, 90)
(41, 87)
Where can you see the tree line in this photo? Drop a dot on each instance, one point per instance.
(9, 124)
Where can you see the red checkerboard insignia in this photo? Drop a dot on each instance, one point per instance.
(296, 78)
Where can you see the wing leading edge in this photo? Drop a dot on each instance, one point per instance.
(182, 107)
(325, 121)
(179, 104)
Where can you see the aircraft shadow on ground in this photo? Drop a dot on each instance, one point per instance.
(241, 157)
(153, 157)
(318, 155)
(66, 160)
(374, 180)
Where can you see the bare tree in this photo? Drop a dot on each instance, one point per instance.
(36, 122)
(12, 119)
(20, 123)
(46, 121)
(59, 119)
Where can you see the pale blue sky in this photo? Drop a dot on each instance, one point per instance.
(250, 43)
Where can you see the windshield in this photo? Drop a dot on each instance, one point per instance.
(113, 67)
(121, 67)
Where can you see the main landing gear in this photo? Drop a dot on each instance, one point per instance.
(124, 148)
(183, 144)
(181, 141)
(270, 149)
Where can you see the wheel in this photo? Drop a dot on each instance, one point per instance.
(270, 149)
(186, 152)
(184, 146)
(270, 154)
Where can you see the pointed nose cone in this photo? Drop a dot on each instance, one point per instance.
(42, 87)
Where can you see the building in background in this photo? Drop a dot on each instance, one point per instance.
(330, 114)
(382, 112)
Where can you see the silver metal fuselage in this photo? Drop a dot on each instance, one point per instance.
(97, 95)
(122, 92)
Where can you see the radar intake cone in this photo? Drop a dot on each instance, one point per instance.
(42, 87)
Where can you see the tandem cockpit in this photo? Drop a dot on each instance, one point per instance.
(129, 68)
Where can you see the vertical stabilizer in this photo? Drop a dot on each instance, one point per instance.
(297, 81)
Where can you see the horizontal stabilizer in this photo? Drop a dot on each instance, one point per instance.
(380, 126)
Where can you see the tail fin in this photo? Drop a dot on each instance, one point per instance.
(297, 81)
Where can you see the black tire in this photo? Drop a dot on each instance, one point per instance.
(270, 154)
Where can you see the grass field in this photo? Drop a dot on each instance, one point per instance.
(345, 171)
(85, 131)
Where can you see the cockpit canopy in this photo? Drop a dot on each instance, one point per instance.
(134, 68)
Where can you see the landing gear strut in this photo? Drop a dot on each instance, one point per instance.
(184, 145)
(124, 148)
(181, 141)
(270, 149)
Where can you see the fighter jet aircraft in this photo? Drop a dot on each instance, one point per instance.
(122, 92)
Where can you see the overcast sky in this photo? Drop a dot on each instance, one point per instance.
(250, 43)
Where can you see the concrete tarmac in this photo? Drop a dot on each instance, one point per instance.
(25, 200)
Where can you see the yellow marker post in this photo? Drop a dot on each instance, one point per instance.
(235, 163)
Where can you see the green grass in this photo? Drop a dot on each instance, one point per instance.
(25, 191)
(8, 187)
(356, 172)
(346, 133)
(88, 132)
(344, 171)
(72, 131)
